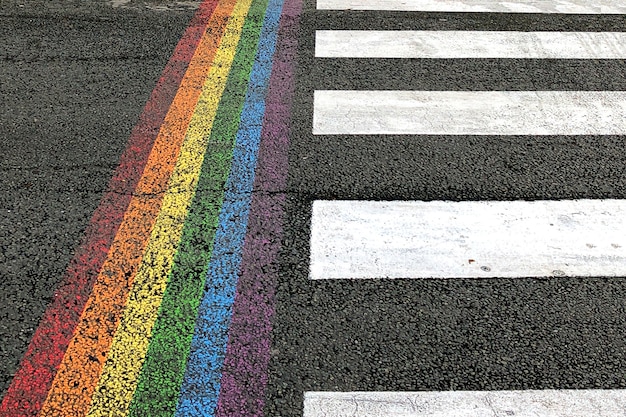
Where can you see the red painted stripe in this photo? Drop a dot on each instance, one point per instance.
(39, 365)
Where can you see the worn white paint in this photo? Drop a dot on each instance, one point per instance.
(470, 112)
(531, 403)
(469, 44)
(496, 6)
(467, 239)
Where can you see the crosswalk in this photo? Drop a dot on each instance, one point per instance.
(496, 176)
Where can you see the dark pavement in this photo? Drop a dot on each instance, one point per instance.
(74, 77)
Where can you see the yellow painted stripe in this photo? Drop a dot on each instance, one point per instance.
(123, 366)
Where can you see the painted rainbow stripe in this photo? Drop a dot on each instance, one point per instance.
(141, 323)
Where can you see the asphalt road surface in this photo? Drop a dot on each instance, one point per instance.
(74, 79)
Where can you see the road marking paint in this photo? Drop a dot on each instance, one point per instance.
(245, 368)
(33, 379)
(470, 112)
(491, 6)
(531, 403)
(121, 370)
(78, 374)
(206, 356)
(467, 239)
(468, 44)
(162, 373)
(158, 388)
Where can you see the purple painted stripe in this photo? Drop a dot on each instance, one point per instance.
(244, 375)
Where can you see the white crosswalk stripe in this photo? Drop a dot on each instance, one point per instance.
(469, 44)
(531, 403)
(469, 112)
(468, 239)
(529, 6)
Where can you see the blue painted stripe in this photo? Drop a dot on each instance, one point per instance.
(201, 384)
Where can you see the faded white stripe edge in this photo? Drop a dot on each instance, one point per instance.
(479, 6)
(531, 403)
(467, 239)
(469, 112)
(469, 44)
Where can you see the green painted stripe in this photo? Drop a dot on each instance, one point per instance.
(163, 370)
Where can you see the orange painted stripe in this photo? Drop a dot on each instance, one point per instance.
(73, 386)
